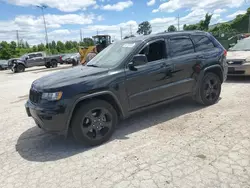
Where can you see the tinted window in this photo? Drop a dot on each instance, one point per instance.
(31, 56)
(181, 46)
(39, 55)
(202, 43)
(155, 51)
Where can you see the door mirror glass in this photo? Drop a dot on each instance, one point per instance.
(139, 59)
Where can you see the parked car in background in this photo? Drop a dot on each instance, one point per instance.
(73, 59)
(3, 64)
(126, 77)
(33, 59)
(238, 58)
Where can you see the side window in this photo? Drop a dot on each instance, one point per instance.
(39, 55)
(181, 46)
(202, 43)
(155, 51)
(31, 56)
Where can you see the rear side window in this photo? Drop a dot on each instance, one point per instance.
(39, 55)
(181, 46)
(202, 43)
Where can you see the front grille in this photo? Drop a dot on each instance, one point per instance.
(235, 62)
(35, 96)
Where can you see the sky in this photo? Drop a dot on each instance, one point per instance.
(118, 18)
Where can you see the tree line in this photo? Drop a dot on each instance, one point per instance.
(13, 50)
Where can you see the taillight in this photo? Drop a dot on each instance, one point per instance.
(60, 58)
(225, 53)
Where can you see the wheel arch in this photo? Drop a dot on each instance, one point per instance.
(216, 69)
(105, 95)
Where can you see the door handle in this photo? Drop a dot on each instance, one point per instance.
(200, 57)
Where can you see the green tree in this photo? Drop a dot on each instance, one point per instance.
(60, 46)
(241, 22)
(172, 28)
(34, 48)
(53, 45)
(27, 45)
(202, 25)
(88, 42)
(68, 45)
(41, 47)
(5, 51)
(144, 28)
(75, 44)
(13, 45)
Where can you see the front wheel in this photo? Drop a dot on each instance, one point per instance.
(210, 89)
(94, 122)
(19, 68)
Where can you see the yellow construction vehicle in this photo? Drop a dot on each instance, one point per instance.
(100, 41)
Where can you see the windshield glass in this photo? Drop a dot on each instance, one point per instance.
(113, 54)
(3, 62)
(24, 57)
(243, 45)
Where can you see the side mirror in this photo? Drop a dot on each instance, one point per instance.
(139, 59)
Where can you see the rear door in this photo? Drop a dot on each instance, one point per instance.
(207, 52)
(183, 56)
(148, 84)
(40, 59)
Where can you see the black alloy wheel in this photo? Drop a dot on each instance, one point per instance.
(210, 89)
(94, 122)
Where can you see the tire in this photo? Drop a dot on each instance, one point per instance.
(47, 65)
(209, 90)
(20, 68)
(53, 63)
(89, 125)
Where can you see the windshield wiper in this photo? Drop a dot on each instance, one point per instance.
(92, 65)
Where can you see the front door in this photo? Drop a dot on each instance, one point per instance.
(148, 83)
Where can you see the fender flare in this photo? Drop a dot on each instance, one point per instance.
(89, 97)
(201, 75)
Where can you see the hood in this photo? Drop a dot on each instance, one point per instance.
(68, 77)
(238, 55)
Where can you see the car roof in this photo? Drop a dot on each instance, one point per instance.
(163, 34)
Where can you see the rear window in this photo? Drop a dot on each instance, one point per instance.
(202, 43)
(181, 46)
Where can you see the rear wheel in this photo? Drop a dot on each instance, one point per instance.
(210, 89)
(53, 63)
(94, 122)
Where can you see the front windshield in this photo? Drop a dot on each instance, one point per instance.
(113, 54)
(243, 45)
(24, 57)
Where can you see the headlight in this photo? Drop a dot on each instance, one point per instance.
(52, 96)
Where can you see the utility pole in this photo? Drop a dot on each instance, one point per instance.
(42, 7)
(81, 35)
(130, 29)
(178, 22)
(97, 32)
(17, 38)
(121, 32)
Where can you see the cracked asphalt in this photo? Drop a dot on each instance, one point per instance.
(181, 144)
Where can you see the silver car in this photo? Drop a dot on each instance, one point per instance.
(238, 58)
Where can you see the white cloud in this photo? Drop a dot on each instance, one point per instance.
(100, 18)
(63, 5)
(118, 6)
(155, 10)
(174, 5)
(219, 11)
(236, 13)
(151, 2)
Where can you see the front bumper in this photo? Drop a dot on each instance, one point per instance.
(51, 119)
(239, 70)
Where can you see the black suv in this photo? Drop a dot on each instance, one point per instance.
(127, 77)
